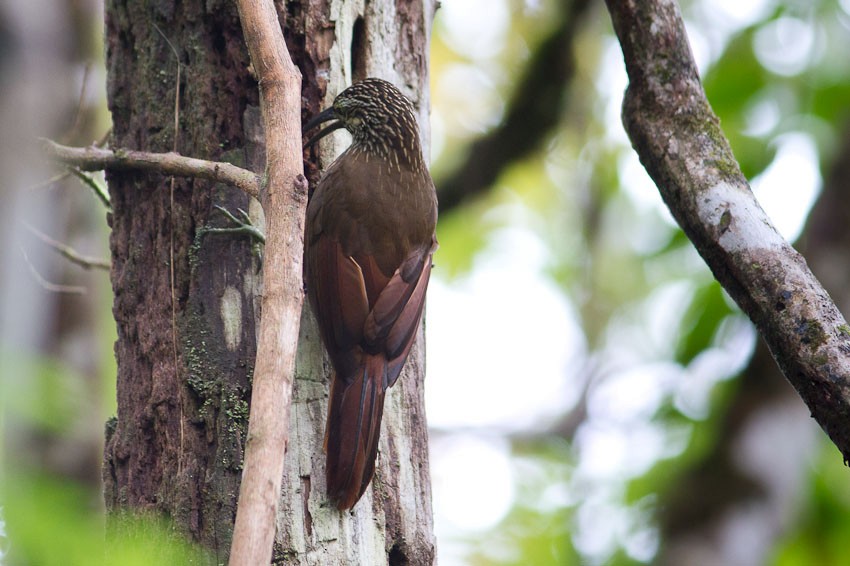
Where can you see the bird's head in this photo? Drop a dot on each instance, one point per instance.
(380, 118)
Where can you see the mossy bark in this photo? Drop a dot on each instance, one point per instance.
(183, 389)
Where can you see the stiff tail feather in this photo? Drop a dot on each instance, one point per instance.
(353, 430)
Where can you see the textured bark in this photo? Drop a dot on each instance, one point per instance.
(184, 376)
(679, 141)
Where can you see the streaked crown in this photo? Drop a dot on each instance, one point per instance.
(380, 118)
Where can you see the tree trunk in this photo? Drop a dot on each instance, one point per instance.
(184, 368)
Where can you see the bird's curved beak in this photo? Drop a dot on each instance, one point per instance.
(321, 117)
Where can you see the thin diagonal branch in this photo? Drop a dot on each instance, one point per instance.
(69, 253)
(98, 190)
(95, 159)
(681, 145)
(716, 488)
(47, 285)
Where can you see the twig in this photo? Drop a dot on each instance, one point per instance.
(80, 100)
(283, 203)
(67, 173)
(47, 285)
(244, 226)
(95, 159)
(682, 147)
(103, 139)
(96, 188)
(54, 179)
(176, 87)
(66, 251)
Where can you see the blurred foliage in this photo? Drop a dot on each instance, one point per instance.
(537, 529)
(50, 517)
(55, 522)
(618, 256)
(820, 536)
(47, 397)
(709, 307)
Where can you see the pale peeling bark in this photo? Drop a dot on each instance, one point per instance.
(392, 523)
(679, 141)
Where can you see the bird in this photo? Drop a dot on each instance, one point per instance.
(370, 234)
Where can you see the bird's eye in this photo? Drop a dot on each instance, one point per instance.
(354, 121)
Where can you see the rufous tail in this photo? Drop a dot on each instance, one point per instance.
(353, 430)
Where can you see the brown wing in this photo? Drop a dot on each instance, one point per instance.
(362, 310)
(338, 296)
(391, 325)
(368, 323)
(367, 266)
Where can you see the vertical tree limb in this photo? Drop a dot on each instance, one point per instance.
(283, 202)
(682, 147)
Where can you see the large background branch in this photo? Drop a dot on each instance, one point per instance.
(682, 147)
(283, 203)
(534, 112)
(724, 487)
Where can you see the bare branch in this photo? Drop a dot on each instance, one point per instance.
(283, 293)
(68, 252)
(682, 147)
(51, 181)
(47, 285)
(238, 225)
(99, 191)
(95, 159)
